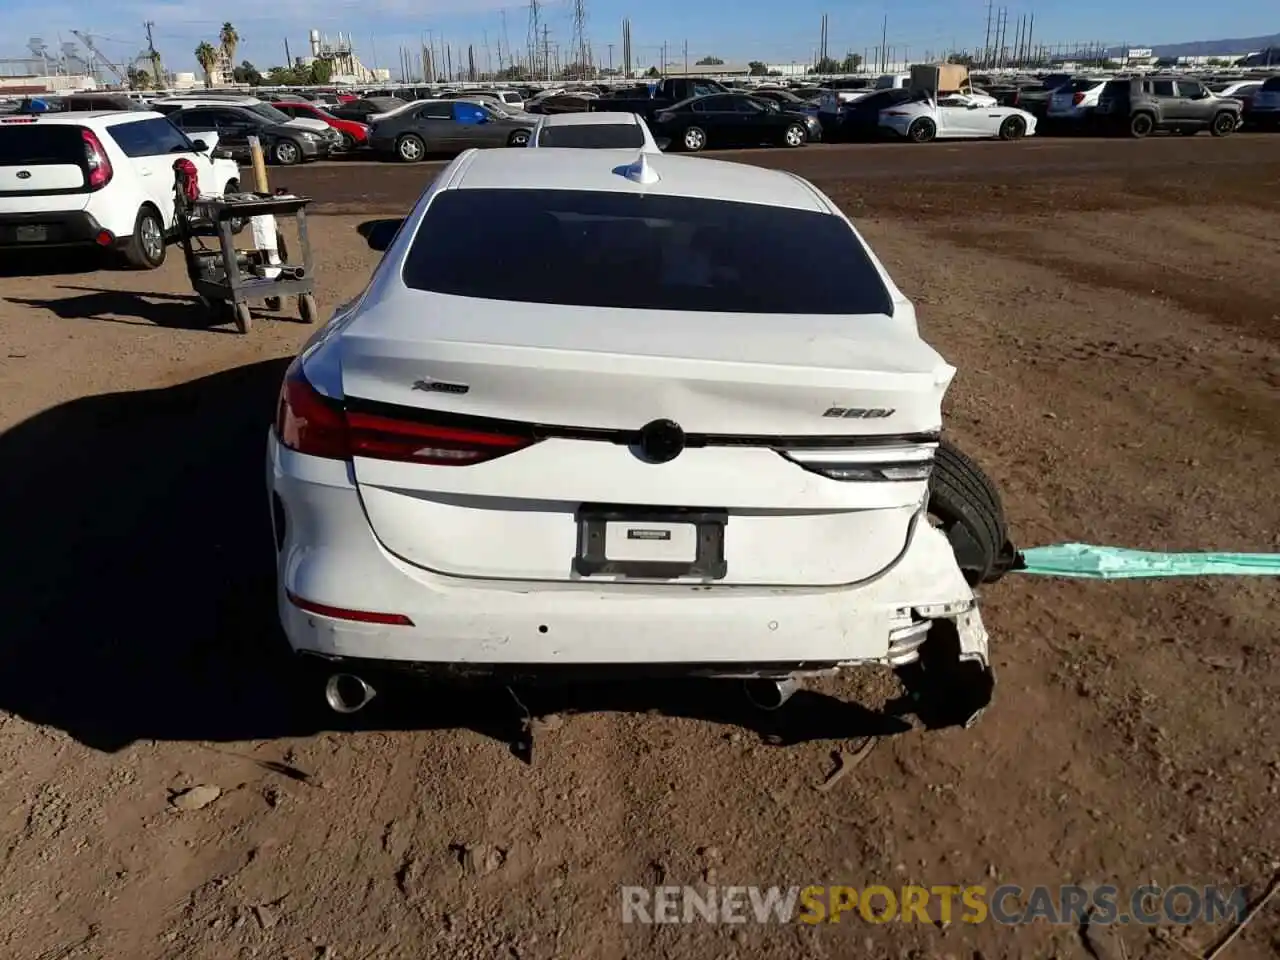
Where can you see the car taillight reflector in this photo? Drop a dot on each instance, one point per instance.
(18, 120)
(1077, 99)
(383, 438)
(309, 422)
(319, 426)
(342, 613)
(896, 462)
(95, 156)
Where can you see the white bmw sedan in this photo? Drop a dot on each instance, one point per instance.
(643, 444)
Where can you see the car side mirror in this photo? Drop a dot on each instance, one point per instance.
(199, 146)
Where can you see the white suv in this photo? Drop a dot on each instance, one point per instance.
(99, 178)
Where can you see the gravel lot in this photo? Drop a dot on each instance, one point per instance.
(1114, 310)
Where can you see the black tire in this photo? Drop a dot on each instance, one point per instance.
(693, 140)
(143, 252)
(922, 130)
(519, 138)
(1224, 124)
(795, 136)
(410, 148)
(965, 505)
(1141, 125)
(348, 143)
(1013, 128)
(286, 153)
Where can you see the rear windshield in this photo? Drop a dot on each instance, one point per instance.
(592, 136)
(1271, 85)
(628, 251)
(1116, 88)
(33, 144)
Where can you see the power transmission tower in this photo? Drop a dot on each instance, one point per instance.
(154, 56)
(488, 54)
(506, 42)
(535, 35)
(579, 38)
(546, 51)
(986, 44)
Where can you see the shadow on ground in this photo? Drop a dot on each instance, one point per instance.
(173, 311)
(141, 603)
(54, 262)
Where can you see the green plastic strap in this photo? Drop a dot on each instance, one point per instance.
(1117, 563)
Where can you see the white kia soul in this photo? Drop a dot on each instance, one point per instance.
(102, 178)
(643, 445)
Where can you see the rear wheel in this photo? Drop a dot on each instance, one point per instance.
(922, 130)
(1013, 128)
(348, 142)
(147, 247)
(794, 136)
(1224, 124)
(694, 139)
(410, 148)
(518, 139)
(965, 505)
(1141, 125)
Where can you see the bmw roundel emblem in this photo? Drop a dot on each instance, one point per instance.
(661, 441)
(24, 174)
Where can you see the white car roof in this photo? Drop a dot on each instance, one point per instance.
(565, 168)
(589, 119)
(208, 101)
(104, 117)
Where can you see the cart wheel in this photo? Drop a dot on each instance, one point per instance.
(307, 308)
(244, 319)
(274, 303)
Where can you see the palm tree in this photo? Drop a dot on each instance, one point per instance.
(207, 57)
(229, 40)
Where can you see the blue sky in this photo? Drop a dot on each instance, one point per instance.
(771, 30)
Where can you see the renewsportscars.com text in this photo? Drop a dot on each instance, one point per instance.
(1007, 904)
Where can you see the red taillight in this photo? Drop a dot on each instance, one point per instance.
(1077, 99)
(96, 159)
(342, 613)
(311, 423)
(383, 438)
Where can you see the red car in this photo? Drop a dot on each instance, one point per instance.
(353, 134)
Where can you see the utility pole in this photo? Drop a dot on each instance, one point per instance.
(535, 35)
(610, 57)
(1017, 40)
(884, 39)
(288, 60)
(686, 58)
(1030, 30)
(663, 69)
(546, 49)
(154, 56)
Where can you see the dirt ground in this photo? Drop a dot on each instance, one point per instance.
(1114, 312)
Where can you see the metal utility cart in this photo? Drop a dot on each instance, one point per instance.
(227, 279)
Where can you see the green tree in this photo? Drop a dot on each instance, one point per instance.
(513, 72)
(757, 68)
(652, 72)
(851, 63)
(826, 65)
(229, 40)
(960, 59)
(139, 79)
(283, 77)
(710, 62)
(247, 73)
(207, 57)
(319, 72)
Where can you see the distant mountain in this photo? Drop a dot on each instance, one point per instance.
(1210, 48)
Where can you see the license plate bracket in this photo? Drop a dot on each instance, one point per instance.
(31, 233)
(602, 525)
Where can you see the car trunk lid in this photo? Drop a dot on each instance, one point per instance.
(769, 406)
(40, 164)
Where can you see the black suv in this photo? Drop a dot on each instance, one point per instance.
(1141, 106)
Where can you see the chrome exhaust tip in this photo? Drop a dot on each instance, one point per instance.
(766, 694)
(347, 693)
